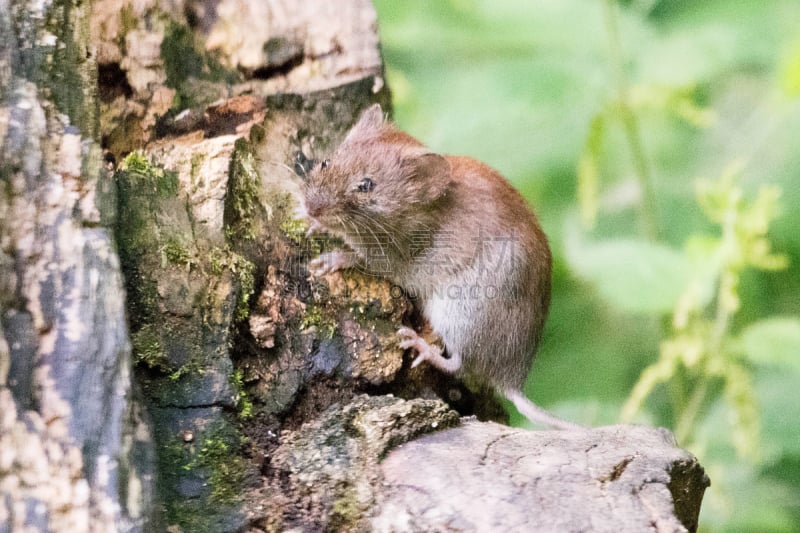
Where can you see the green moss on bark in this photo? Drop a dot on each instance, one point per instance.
(147, 349)
(242, 202)
(317, 317)
(186, 62)
(143, 187)
(66, 68)
(213, 459)
(244, 404)
(222, 259)
(149, 176)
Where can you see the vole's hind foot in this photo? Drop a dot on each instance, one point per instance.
(413, 340)
(427, 352)
(330, 262)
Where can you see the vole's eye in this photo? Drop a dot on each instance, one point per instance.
(365, 185)
(325, 164)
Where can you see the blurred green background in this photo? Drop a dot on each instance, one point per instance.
(653, 139)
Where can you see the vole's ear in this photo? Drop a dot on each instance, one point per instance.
(303, 164)
(371, 120)
(431, 173)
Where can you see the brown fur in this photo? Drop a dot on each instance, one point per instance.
(453, 232)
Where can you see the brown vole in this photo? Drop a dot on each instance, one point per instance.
(453, 233)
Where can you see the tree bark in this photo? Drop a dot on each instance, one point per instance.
(73, 447)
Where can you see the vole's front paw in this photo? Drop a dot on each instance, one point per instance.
(329, 262)
(313, 227)
(413, 340)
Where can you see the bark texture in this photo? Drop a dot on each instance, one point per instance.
(73, 448)
(241, 394)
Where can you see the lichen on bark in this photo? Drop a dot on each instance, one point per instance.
(75, 450)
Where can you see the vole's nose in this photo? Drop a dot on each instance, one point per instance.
(315, 206)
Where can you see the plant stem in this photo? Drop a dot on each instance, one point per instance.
(647, 211)
(678, 392)
(684, 428)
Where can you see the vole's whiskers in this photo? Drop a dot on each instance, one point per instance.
(342, 223)
(361, 224)
(385, 229)
(285, 166)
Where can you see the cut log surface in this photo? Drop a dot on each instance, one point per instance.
(385, 464)
(488, 477)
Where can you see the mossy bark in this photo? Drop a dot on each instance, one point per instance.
(229, 336)
(76, 455)
(185, 288)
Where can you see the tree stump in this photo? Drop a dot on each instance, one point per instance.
(152, 146)
(360, 467)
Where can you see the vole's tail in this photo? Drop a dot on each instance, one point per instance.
(536, 414)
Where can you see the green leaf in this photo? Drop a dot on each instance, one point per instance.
(632, 275)
(777, 395)
(772, 341)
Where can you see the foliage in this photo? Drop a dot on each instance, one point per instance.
(701, 349)
(316, 317)
(147, 350)
(175, 252)
(667, 301)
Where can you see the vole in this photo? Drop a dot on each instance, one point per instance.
(453, 233)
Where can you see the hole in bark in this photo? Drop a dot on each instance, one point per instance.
(282, 55)
(112, 82)
(265, 73)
